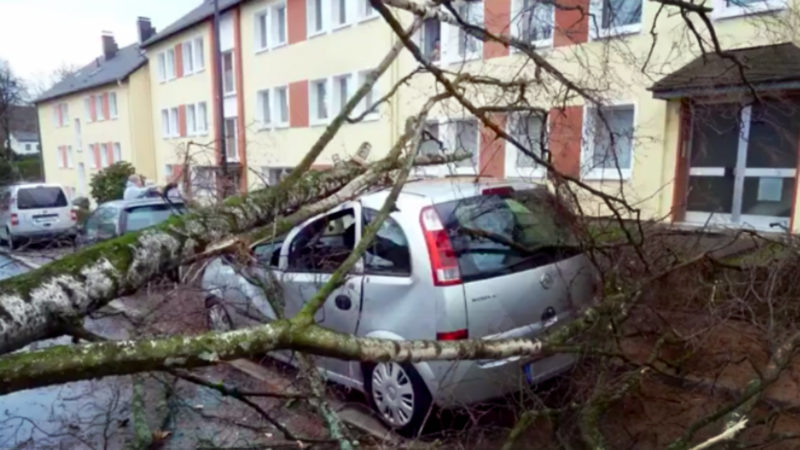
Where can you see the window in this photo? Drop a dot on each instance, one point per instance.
(369, 99)
(142, 217)
(469, 46)
(389, 252)
(202, 118)
(432, 39)
(165, 123)
(341, 15)
(454, 136)
(70, 163)
(281, 105)
(533, 21)
(170, 64)
(188, 62)
(231, 147)
(191, 120)
(318, 99)
(528, 130)
(41, 197)
(27, 147)
(261, 31)
(365, 10)
(615, 17)
(608, 141)
(87, 106)
(274, 175)
(103, 157)
(228, 86)
(98, 107)
(117, 152)
(61, 115)
(732, 8)
(102, 224)
(173, 122)
(277, 24)
(430, 145)
(162, 67)
(324, 244)
(342, 87)
(112, 104)
(316, 17)
(199, 58)
(264, 108)
(466, 140)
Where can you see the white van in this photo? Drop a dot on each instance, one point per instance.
(35, 211)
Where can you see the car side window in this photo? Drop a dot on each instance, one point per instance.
(389, 253)
(102, 224)
(268, 254)
(324, 244)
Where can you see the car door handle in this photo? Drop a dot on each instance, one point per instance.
(343, 302)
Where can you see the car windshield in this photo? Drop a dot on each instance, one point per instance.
(41, 197)
(499, 234)
(141, 217)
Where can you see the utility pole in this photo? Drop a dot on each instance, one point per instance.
(223, 160)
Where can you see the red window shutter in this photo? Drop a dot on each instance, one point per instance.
(565, 139)
(178, 60)
(571, 23)
(109, 153)
(92, 108)
(106, 113)
(298, 103)
(492, 152)
(96, 152)
(182, 120)
(296, 18)
(497, 15)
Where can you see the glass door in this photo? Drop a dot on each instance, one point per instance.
(742, 166)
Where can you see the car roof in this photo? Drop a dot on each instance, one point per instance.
(437, 190)
(124, 204)
(34, 185)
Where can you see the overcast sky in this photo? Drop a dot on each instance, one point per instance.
(39, 36)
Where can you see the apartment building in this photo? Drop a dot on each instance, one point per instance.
(99, 115)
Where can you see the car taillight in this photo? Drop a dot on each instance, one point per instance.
(14, 220)
(502, 191)
(73, 215)
(444, 263)
(456, 335)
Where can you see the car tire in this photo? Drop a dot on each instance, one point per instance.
(11, 240)
(398, 395)
(217, 317)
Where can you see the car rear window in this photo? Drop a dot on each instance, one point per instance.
(499, 234)
(41, 197)
(141, 217)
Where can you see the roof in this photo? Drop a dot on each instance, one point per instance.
(202, 12)
(98, 73)
(764, 67)
(26, 136)
(23, 121)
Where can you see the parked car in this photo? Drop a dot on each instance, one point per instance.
(34, 212)
(117, 217)
(455, 260)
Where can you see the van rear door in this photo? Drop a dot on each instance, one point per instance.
(41, 208)
(519, 264)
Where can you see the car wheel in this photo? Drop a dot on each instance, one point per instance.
(217, 317)
(11, 240)
(399, 396)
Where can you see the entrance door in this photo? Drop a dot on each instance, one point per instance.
(743, 164)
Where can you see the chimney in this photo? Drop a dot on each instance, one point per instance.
(109, 45)
(145, 29)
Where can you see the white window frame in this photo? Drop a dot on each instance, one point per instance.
(272, 29)
(70, 160)
(261, 28)
(112, 105)
(171, 69)
(587, 146)
(264, 122)
(265, 173)
(538, 171)
(232, 155)
(173, 122)
(199, 58)
(187, 55)
(165, 123)
(596, 30)
(516, 16)
(232, 91)
(338, 103)
(360, 78)
(449, 38)
(162, 67)
(365, 11)
(447, 135)
(349, 14)
(87, 105)
(103, 156)
(202, 119)
(324, 13)
(723, 11)
(98, 108)
(117, 151)
(276, 107)
(314, 119)
(191, 119)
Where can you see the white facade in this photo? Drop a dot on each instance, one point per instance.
(24, 147)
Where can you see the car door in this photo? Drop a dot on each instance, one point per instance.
(101, 225)
(312, 253)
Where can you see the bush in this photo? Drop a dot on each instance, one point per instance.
(109, 183)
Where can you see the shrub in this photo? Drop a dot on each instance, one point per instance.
(109, 183)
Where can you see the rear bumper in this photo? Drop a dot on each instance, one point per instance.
(460, 383)
(44, 233)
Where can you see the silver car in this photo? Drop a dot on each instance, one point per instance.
(35, 211)
(457, 259)
(117, 217)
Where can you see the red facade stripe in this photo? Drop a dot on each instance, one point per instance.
(565, 139)
(492, 153)
(110, 152)
(215, 105)
(298, 103)
(572, 22)
(182, 120)
(104, 101)
(96, 152)
(179, 60)
(92, 108)
(296, 18)
(497, 16)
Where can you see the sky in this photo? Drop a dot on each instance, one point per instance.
(39, 36)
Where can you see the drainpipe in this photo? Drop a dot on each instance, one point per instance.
(220, 99)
